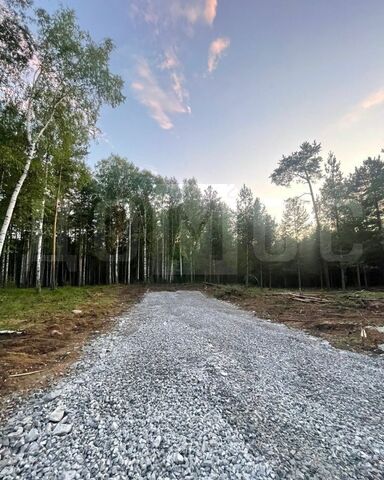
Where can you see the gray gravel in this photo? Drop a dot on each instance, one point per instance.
(187, 387)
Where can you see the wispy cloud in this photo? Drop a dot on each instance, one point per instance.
(210, 11)
(163, 11)
(203, 11)
(371, 101)
(172, 64)
(160, 85)
(162, 101)
(216, 51)
(170, 60)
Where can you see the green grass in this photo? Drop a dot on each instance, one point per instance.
(20, 307)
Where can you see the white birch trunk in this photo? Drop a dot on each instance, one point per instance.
(15, 194)
(54, 235)
(181, 262)
(117, 261)
(30, 154)
(163, 257)
(84, 279)
(40, 245)
(145, 247)
(171, 272)
(138, 259)
(129, 250)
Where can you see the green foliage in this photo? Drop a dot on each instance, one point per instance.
(16, 42)
(300, 166)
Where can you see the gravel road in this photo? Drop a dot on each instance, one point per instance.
(187, 387)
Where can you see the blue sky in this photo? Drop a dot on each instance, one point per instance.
(221, 89)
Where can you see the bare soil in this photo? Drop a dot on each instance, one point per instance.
(338, 317)
(53, 341)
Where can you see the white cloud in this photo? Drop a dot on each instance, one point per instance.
(181, 93)
(162, 11)
(170, 60)
(162, 102)
(172, 64)
(373, 100)
(216, 51)
(196, 11)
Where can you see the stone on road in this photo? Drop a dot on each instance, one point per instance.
(187, 387)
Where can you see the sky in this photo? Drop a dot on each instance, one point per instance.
(221, 89)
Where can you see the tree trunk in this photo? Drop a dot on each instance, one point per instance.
(157, 259)
(180, 261)
(54, 234)
(326, 274)
(8, 256)
(27, 266)
(342, 271)
(210, 266)
(299, 275)
(378, 216)
(14, 196)
(80, 262)
(138, 259)
(117, 260)
(324, 266)
(358, 277)
(40, 244)
(7, 259)
(171, 271)
(191, 265)
(247, 268)
(22, 268)
(145, 273)
(3, 258)
(129, 250)
(162, 247)
(110, 269)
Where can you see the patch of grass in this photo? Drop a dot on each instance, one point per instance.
(22, 308)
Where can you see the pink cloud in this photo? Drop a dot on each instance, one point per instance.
(216, 51)
(210, 11)
(170, 60)
(192, 11)
(161, 102)
(373, 100)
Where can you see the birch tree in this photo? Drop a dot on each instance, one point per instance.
(68, 69)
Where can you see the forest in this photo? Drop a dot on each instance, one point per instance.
(64, 223)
